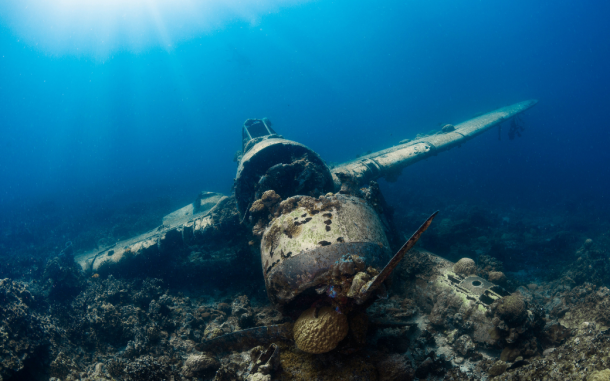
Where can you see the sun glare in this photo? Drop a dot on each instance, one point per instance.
(100, 27)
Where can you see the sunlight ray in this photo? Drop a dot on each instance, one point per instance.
(100, 27)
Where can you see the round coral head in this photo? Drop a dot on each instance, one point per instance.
(320, 334)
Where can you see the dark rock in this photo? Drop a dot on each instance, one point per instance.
(424, 368)
(464, 346)
(395, 367)
(198, 365)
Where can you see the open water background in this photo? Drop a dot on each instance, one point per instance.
(92, 121)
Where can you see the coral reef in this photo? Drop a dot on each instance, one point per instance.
(511, 308)
(494, 316)
(62, 277)
(125, 329)
(465, 266)
(497, 277)
(592, 262)
(300, 366)
(23, 332)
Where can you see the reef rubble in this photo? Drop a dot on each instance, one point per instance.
(436, 324)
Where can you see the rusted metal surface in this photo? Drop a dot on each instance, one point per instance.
(269, 153)
(302, 272)
(255, 130)
(247, 338)
(476, 285)
(269, 357)
(301, 247)
(320, 222)
(180, 230)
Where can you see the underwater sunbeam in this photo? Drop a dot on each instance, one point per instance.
(101, 27)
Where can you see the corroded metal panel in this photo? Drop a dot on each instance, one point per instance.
(262, 157)
(388, 162)
(299, 273)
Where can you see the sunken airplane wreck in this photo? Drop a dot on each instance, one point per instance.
(324, 241)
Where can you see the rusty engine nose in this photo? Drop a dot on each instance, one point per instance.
(323, 248)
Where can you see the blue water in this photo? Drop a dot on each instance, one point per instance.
(95, 118)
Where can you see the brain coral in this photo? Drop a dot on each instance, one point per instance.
(511, 308)
(496, 277)
(321, 334)
(465, 266)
